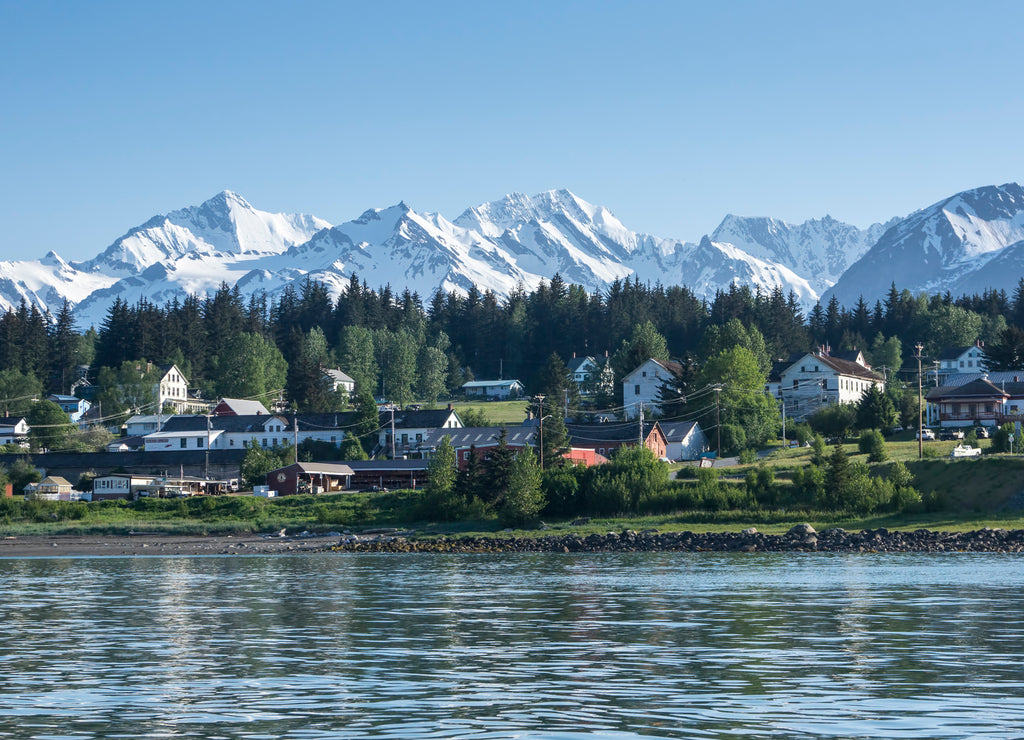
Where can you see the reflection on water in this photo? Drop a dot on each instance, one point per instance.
(667, 645)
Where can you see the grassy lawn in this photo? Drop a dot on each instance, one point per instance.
(497, 412)
(974, 493)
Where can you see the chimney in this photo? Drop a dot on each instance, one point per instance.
(449, 407)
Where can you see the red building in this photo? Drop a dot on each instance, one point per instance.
(608, 437)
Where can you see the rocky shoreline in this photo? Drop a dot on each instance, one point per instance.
(800, 538)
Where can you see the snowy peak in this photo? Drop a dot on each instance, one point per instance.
(946, 246)
(553, 206)
(226, 223)
(820, 249)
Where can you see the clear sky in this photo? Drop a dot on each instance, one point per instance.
(671, 114)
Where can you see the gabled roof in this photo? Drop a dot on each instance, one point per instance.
(55, 480)
(341, 420)
(316, 468)
(421, 419)
(677, 430)
(980, 388)
(60, 398)
(147, 418)
(671, 366)
(337, 375)
(243, 407)
(234, 424)
(136, 442)
(589, 435)
(11, 421)
(576, 363)
(953, 353)
(491, 383)
(841, 366)
(167, 368)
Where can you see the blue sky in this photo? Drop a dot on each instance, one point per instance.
(671, 114)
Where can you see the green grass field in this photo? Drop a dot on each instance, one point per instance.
(975, 493)
(497, 412)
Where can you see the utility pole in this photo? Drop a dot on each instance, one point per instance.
(392, 431)
(206, 473)
(640, 417)
(718, 422)
(920, 406)
(295, 434)
(783, 423)
(540, 416)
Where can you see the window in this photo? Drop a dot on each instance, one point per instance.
(199, 441)
(644, 374)
(465, 455)
(184, 443)
(636, 390)
(796, 383)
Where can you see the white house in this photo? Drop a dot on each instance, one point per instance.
(582, 369)
(642, 386)
(240, 431)
(120, 485)
(172, 389)
(497, 389)
(144, 424)
(184, 440)
(817, 379)
(412, 428)
(685, 440)
(957, 360)
(14, 431)
(339, 381)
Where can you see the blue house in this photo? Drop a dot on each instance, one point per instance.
(75, 408)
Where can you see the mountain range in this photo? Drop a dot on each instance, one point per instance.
(968, 242)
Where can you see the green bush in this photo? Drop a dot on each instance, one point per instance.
(734, 439)
(872, 444)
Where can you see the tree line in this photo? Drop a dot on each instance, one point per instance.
(403, 348)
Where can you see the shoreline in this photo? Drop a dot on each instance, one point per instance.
(800, 538)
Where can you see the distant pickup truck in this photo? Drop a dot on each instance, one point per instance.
(948, 435)
(965, 451)
(925, 434)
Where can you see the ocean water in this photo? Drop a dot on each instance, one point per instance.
(663, 645)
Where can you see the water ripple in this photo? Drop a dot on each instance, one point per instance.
(533, 646)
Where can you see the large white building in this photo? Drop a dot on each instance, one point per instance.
(818, 379)
(642, 386)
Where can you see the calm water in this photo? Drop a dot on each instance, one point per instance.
(554, 646)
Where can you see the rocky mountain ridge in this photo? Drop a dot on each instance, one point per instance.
(968, 239)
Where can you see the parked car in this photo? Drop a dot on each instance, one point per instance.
(981, 432)
(925, 434)
(948, 435)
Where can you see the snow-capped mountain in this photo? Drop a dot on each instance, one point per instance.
(820, 250)
(968, 242)
(965, 243)
(225, 224)
(517, 240)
